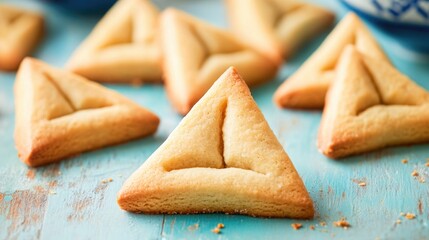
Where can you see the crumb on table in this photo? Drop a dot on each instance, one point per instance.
(342, 223)
(322, 223)
(296, 226)
(398, 221)
(410, 216)
(193, 227)
(107, 180)
(217, 228)
(415, 173)
(312, 227)
(404, 161)
(362, 184)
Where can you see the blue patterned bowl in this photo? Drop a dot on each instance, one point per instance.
(405, 20)
(82, 6)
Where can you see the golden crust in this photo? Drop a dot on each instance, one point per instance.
(59, 114)
(370, 106)
(223, 157)
(307, 87)
(196, 53)
(20, 32)
(278, 28)
(123, 47)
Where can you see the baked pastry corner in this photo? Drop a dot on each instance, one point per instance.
(196, 53)
(307, 87)
(59, 114)
(123, 47)
(277, 28)
(371, 105)
(222, 157)
(20, 32)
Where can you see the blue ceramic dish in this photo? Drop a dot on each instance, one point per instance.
(407, 21)
(82, 6)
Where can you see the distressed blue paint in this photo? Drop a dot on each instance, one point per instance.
(79, 206)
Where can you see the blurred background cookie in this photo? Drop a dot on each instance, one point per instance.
(20, 31)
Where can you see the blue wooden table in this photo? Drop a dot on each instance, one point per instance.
(71, 200)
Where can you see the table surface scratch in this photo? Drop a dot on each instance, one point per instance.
(70, 200)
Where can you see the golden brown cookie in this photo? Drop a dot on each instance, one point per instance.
(59, 114)
(20, 32)
(277, 28)
(370, 106)
(197, 53)
(223, 157)
(123, 47)
(307, 87)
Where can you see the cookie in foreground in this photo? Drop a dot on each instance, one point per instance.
(20, 32)
(371, 105)
(222, 157)
(59, 114)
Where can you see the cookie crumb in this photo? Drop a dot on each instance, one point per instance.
(107, 180)
(404, 161)
(410, 216)
(427, 162)
(398, 221)
(312, 227)
(322, 224)
(342, 223)
(415, 173)
(296, 226)
(220, 225)
(362, 184)
(193, 227)
(402, 214)
(216, 230)
(52, 192)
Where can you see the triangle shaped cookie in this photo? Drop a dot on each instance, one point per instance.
(20, 31)
(59, 114)
(307, 87)
(123, 47)
(196, 53)
(370, 106)
(275, 27)
(223, 157)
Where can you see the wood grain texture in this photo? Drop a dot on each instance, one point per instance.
(69, 200)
